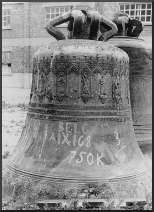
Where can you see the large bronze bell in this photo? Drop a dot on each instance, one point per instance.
(140, 55)
(79, 131)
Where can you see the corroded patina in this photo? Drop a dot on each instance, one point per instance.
(83, 24)
(79, 132)
(140, 55)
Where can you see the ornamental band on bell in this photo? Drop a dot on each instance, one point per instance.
(97, 78)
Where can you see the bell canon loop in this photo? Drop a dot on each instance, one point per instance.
(79, 129)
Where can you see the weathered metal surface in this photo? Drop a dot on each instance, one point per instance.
(83, 24)
(127, 26)
(140, 55)
(79, 135)
(79, 126)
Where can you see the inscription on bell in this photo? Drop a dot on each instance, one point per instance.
(79, 127)
(85, 143)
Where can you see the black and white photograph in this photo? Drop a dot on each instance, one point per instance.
(77, 105)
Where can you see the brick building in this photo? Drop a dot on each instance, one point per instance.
(23, 32)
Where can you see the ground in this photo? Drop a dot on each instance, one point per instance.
(14, 111)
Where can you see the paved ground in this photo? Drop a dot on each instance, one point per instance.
(15, 96)
(14, 110)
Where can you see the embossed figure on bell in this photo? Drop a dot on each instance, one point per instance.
(140, 55)
(79, 132)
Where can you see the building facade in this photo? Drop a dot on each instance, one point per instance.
(23, 32)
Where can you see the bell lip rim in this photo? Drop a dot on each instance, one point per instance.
(82, 180)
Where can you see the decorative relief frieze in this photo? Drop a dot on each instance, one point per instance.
(137, 53)
(104, 72)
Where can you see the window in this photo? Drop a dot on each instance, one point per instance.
(6, 18)
(52, 12)
(140, 11)
(6, 62)
(6, 58)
